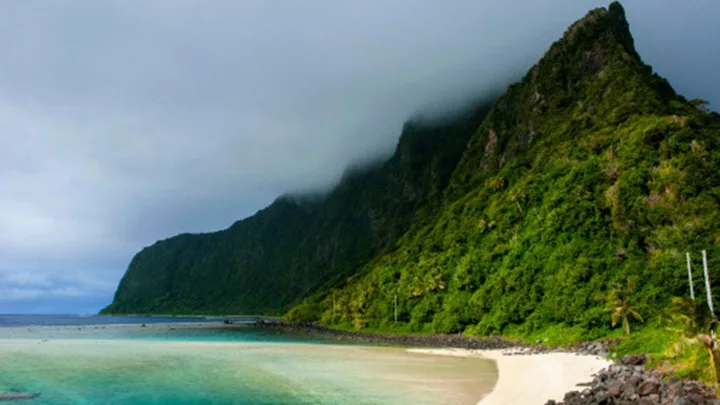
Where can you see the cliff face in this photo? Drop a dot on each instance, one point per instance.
(590, 171)
(299, 245)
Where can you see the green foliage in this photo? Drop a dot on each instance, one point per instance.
(589, 172)
(696, 328)
(621, 307)
(691, 317)
(299, 245)
(303, 313)
(653, 341)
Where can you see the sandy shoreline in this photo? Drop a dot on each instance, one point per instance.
(521, 379)
(531, 379)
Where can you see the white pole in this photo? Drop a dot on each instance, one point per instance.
(395, 308)
(707, 284)
(692, 291)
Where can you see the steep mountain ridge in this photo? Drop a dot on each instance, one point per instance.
(297, 245)
(590, 171)
(592, 73)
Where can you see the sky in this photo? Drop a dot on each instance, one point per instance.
(127, 121)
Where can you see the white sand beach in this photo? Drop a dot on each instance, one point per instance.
(531, 379)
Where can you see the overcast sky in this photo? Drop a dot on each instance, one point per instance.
(123, 122)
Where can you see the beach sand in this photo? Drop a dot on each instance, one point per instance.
(533, 378)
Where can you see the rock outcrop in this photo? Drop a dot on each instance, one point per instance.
(629, 382)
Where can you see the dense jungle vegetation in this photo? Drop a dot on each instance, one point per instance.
(590, 172)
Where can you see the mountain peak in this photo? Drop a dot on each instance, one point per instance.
(590, 77)
(614, 13)
(590, 19)
(598, 32)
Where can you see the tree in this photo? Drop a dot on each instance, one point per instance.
(700, 104)
(621, 306)
(692, 316)
(697, 326)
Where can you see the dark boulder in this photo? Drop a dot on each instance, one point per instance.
(16, 396)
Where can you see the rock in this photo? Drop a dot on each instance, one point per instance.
(615, 368)
(634, 360)
(697, 399)
(571, 396)
(635, 379)
(647, 388)
(615, 389)
(603, 399)
(16, 396)
(628, 390)
(673, 388)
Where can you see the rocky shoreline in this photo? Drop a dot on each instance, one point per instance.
(455, 341)
(440, 341)
(627, 381)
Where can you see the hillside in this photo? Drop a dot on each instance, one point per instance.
(588, 172)
(275, 258)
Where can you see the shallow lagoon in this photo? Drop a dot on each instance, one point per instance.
(189, 365)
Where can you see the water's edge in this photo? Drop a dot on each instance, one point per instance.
(193, 363)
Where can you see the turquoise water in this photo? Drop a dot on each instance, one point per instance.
(202, 332)
(81, 320)
(180, 365)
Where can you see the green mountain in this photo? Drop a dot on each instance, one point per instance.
(590, 171)
(277, 257)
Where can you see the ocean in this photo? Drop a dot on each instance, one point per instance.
(115, 360)
(80, 320)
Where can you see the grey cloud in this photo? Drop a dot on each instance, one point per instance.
(124, 122)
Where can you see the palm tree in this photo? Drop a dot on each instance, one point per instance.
(621, 306)
(693, 316)
(697, 326)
